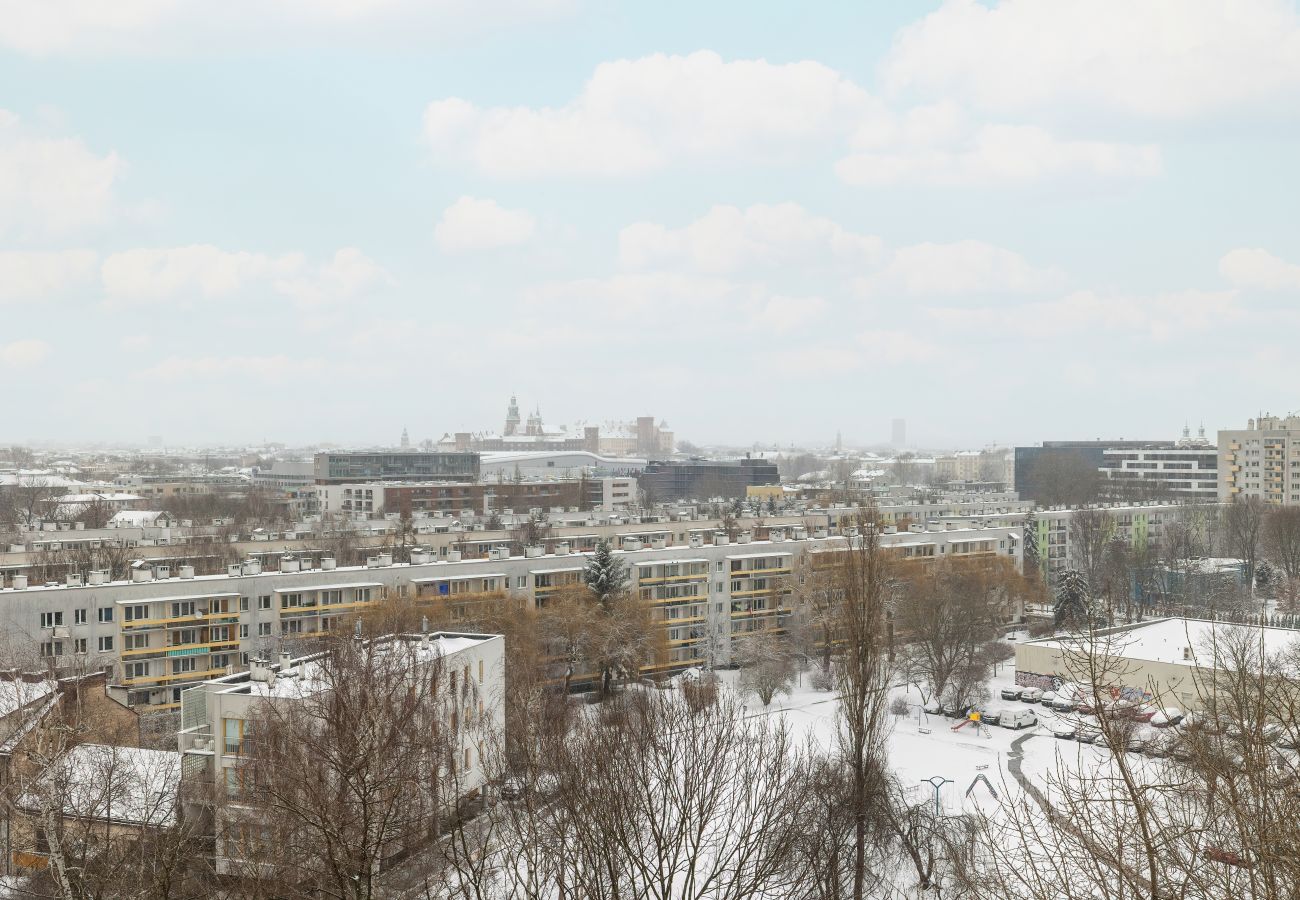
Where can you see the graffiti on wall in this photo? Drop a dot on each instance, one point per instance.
(1054, 682)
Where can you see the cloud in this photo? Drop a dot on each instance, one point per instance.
(31, 276)
(963, 267)
(784, 314)
(66, 27)
(727, 239)
(348, 275)
(638, 295)
(23, 353)
(895, 347)
(202, 271)
(274, 368)
(1255, 268)
(1168, 59)
(635, 116)
(1159, 317)
(52, 185)
(473, 224)
(995, 154)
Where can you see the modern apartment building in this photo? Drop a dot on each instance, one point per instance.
(331, 468)
(1262, 460)
(1140, 525)
(217, 715)
(1188, 469)
(166, 629)
(702, 479)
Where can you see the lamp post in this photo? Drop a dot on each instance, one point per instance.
(937, 782)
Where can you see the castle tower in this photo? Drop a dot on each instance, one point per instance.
(512, 417)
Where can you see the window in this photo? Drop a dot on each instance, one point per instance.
(51, 648)
(135, 641)
(184, 664)
(233, 733)
(480, 671)
(137, 670)
(136, 613)
(183, 608)
(79, 645)
(264, 629)
(243, 604)
(264, 601)
(521, 582)
(290, 601)
(78, 617)
(292, 626)
(50, 619)
(243, 631)
(106, 644)
(105, 613)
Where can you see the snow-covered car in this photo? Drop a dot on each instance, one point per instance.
(1063, 729)
(1138, 739)
(990, 716)
(1018, 718)
(1063, 704)
(1012, 693)
(1031, 695)
(1166, 718)
(1088, 731)
(933, 708)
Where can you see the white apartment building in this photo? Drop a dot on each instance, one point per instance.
(1262, 460)
(167, 630)
(1137, 524)
(1189, 469)
(216, 716)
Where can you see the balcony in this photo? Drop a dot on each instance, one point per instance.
(181, 620)
(178, 676)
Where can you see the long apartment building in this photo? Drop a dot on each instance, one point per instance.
(1262, 460)
(1140, 525)
(167, 629)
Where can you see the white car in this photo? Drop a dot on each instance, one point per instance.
(1063, 729)
(1031, 695)
(1018, 718)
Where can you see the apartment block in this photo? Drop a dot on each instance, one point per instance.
(1262, 460)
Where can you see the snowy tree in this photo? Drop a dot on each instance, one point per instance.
(1071, 598)
(605, 575)
(1032, 559)
(767, 666)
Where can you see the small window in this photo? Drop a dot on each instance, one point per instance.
(105, 613)
(243, 604)
(243, 631)
(106, 644)
(264, 629)
(264, 601)
(50, 619)
(79, 645)
(78, 617)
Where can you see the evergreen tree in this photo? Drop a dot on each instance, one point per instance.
(1071, 599)
(1033, 561)
(605, 575)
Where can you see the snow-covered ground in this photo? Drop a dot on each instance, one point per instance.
(922, 747)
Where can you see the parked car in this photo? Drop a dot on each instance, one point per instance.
(1048, 698)
(1166, 718)
(1012, 693)
(1018, 718)
(1063, 729)
(990, 716)
(934, 708)
(1138, 739)
(1031, 695)
(1088, 731)
(1064, 704)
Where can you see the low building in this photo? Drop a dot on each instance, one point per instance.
(704, 479)
(1167, 661)
(336, 468)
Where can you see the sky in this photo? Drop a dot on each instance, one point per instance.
(326, 220)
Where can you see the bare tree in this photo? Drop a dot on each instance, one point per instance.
(1243, 525)
(767, 665)
(1091, 531)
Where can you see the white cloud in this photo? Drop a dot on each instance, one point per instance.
(476, 224)
(784, 314)
(150, 275)
(348, 275)
(637, 115)
(895, 347)
(963, 267)
(993, 154)
(23, 353)
(727, 239)
(1255, 268)
(202, 271)
(631, 296)
(170, 26)
(277, 368)
(1160, 317)
(31, 276)
(1149, 58)
(52, 185)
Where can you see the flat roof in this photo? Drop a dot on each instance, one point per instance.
(215, 595)
(1167, 640)
(326, 587)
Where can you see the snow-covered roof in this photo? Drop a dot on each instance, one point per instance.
(129, 785)
(1169, 640)
(14, 695)
(135, 518)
